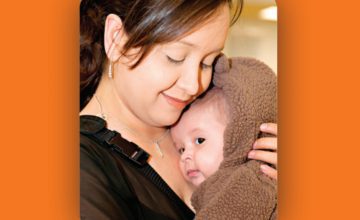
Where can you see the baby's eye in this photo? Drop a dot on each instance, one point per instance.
(181, 150)
(199, 140)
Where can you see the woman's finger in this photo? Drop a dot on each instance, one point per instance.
(269, 143)
(271, 172)
(270, 128)
(265, 156)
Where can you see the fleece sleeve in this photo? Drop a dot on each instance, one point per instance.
(245, 195)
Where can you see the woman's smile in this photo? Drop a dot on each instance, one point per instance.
(175, 102)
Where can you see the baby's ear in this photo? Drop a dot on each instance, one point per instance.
(222, 64)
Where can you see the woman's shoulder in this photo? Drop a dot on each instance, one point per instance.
(101, 182)
(90, 146)
(114, 178)
(96, 137)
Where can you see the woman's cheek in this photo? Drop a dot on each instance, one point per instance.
(204, 82)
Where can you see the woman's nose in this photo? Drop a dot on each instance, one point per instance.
(189, 80)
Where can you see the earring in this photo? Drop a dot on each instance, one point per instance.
(110, 71)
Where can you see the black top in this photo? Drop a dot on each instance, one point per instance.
(116, 186)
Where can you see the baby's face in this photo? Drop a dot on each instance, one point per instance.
(198, 137)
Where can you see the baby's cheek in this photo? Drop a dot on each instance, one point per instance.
(198, 180)
(211, 166)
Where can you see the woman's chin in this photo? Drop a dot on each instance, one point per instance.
(170, 120)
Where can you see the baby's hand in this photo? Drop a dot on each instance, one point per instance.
(265, 149)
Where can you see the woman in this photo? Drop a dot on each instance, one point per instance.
(142, 63)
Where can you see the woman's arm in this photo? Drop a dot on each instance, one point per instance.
(265, 149)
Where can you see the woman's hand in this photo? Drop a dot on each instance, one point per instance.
(265, 149)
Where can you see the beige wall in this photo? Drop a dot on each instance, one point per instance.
(253, 36)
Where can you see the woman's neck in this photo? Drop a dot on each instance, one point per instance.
(107, 103)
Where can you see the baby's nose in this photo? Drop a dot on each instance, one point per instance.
(186, 155)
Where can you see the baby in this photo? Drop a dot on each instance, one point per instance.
(199, 136)
(214, 136)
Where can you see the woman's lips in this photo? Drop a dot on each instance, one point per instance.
(177, 103)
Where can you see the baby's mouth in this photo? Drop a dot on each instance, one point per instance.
(192, 173)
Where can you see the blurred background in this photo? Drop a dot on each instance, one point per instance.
(255, 33)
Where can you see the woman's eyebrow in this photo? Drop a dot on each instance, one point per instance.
(195, 46)
(187, 43)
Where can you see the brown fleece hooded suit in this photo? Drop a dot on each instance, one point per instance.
(239, 190)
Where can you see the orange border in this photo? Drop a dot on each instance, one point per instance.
(319, 110)
(319, 114)
(39, 94)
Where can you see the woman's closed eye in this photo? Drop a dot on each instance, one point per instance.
(199, 140)
(206, 66)
(210, 60)
(175, 61)
(180, 61)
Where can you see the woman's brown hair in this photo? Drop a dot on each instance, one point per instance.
(146, 23)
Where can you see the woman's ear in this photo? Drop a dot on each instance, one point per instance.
(114, 37)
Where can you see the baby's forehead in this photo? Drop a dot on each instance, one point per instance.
(213, 103)
(195, 119)
(201, 111)
(212, 107)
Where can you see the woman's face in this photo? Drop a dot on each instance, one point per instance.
(172, 74)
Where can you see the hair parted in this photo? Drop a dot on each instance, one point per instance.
(146, 24)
